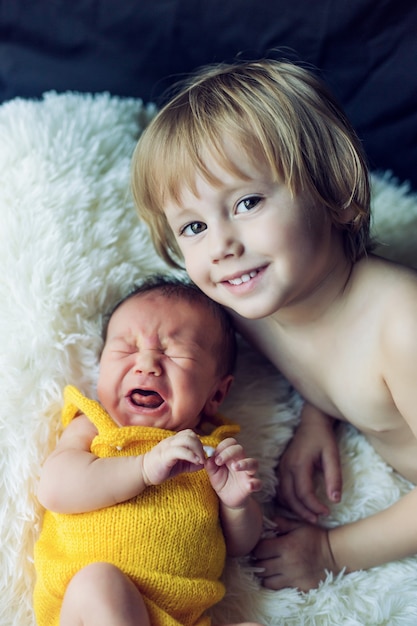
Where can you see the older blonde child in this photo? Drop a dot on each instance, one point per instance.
(139, 517)
(254, 178)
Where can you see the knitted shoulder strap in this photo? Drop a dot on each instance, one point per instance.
(75, 402)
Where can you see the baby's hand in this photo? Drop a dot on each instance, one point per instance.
(232, 475)
(175, 455)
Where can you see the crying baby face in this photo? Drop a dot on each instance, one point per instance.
(158, 366)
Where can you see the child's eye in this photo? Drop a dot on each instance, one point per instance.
(195, 228)
(247, 204)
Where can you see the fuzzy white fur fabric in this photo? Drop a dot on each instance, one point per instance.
(70, 246)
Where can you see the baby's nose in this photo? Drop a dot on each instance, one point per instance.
(149, 362)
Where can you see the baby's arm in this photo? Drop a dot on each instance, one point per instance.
(73, 480)
(233, 477)
(313, 448)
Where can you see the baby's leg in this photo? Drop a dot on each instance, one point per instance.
(101, 594)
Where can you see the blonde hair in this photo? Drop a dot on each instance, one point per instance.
(281, 116)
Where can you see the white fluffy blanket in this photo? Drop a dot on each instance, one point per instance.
(70, 246)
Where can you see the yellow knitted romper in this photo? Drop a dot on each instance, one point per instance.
(168, 539)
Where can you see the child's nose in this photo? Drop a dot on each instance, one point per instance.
(149, 362)
(224, 242)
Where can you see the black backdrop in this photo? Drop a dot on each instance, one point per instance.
(365, 49)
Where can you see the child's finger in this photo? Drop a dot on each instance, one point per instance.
(299, 496)
(332, 472)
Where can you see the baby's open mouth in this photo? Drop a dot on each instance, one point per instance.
(146, 398)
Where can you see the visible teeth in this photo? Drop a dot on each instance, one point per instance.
(244, 278)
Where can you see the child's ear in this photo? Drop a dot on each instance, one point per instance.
(218, 394)
(347, 214)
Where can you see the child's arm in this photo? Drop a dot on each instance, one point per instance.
(313, 448)
(233, 478)
(386, 536)
(73, 480)
(300, 556)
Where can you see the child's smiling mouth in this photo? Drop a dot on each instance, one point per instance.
(244, 278)
(237, 280)
(146, 398)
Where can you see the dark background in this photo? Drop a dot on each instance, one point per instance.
(366, 50)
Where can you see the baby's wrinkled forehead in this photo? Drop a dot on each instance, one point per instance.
(179, 314)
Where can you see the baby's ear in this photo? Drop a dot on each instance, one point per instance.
(218, 394)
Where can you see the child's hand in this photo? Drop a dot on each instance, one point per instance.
(232, 475)
(313, 448)
(183, 452)
(297, 557)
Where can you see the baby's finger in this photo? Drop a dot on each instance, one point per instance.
(182, 453)
(186, 446)
(231, 450)
(246, 465)
(226, 444)
(255, 484)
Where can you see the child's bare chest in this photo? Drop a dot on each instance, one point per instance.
(344, 379)
(340, 374)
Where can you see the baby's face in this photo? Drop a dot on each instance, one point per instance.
(158, 367)
(248, 243)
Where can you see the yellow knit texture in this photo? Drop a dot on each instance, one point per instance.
(168, 539)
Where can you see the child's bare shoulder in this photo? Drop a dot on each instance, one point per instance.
(386, 278)
(383, 299)
(393, 288)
